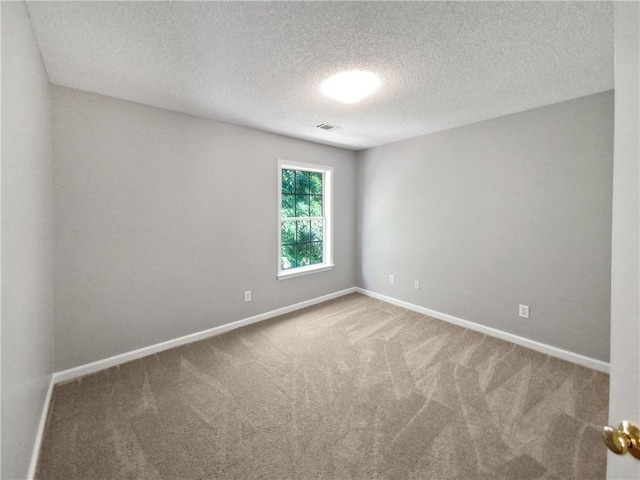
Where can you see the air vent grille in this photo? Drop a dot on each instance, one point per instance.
(326, 126)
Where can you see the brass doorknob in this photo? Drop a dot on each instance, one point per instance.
(625, 438)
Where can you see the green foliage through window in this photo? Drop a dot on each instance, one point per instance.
(302, 222)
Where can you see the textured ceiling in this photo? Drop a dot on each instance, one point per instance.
(260, 64)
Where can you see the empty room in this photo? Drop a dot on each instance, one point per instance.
(320, 240)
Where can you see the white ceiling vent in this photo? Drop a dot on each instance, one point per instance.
(326, 126)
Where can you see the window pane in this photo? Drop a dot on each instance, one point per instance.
(288, 180)
(315, 252)
(288, 205)
(288, 232)
(316, 206)
(288, 257)
(303, 231)
(303, 198)
(302, 182)
(303, 254)
(315, 183)
(302, 205)
(316, 230)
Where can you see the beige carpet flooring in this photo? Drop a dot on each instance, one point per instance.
(350, 389)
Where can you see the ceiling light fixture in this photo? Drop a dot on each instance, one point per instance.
(351, 86)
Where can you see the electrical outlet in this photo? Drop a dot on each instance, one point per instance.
(392, 279)
(416, 284)
(523, 310)
(247, 296)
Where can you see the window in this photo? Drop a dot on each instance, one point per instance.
(304, 219)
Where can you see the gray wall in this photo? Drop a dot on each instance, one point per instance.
(163, 220)
(514, 210)
(624, 392)
(27, 240)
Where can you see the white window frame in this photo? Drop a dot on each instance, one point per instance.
(327, 210)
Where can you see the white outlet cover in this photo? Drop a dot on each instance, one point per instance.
(523, 310)
(392, 279)
(416, 284)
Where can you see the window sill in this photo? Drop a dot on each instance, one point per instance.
(298, 272)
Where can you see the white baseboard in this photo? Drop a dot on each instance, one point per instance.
(38, 441)
(98, 365)
(509, 337)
